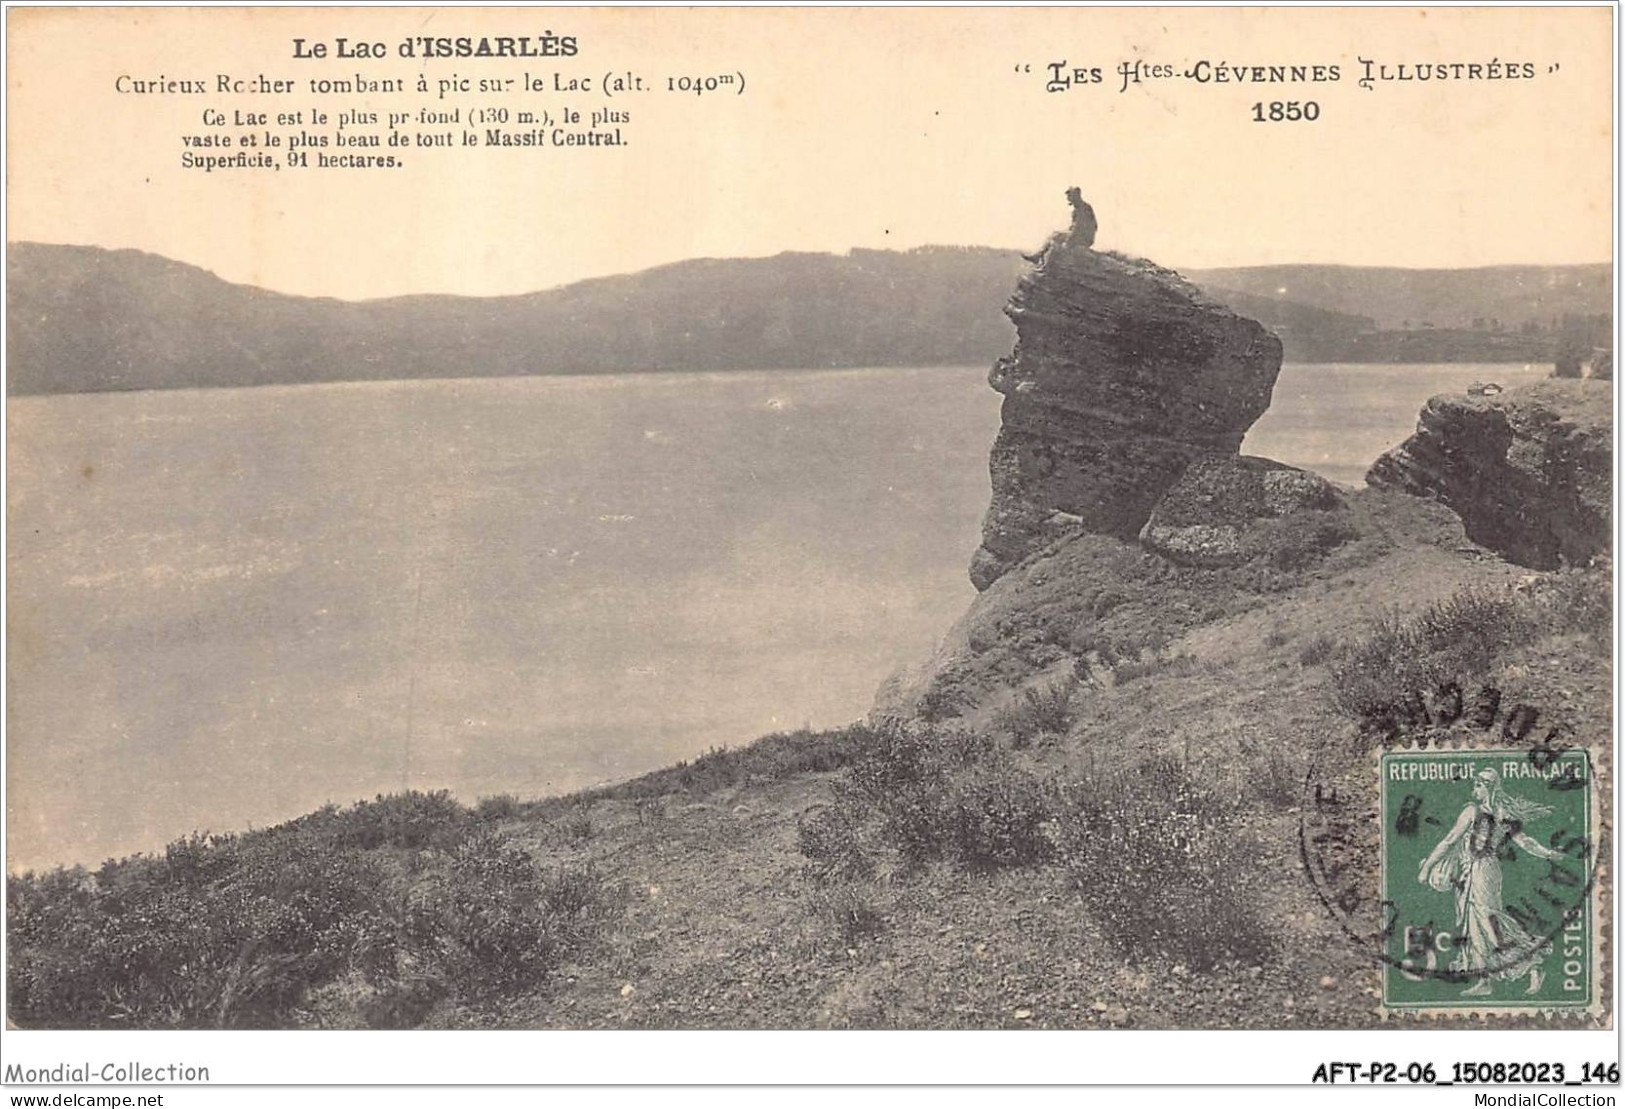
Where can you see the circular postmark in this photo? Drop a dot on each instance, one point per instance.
(1456, 843)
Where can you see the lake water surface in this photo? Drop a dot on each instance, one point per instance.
(230, 606)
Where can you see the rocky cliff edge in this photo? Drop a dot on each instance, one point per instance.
(1528, 470)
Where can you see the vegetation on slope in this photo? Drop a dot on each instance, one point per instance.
(1103, 850)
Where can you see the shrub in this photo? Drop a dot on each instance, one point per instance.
(503, 806)
(1038, 711)
(223, 932)
(1580, 601)
(578, 826)
(997, 816)
(1473, 625)
(408, 820)
(773, 757)
(1317, 650)
(402, 1004)
(1462, 636)
(490, 923)
(939, 796)
(831, 843)
(240, 931)
(1277, 781)
(1158, 859)
(1125, 672)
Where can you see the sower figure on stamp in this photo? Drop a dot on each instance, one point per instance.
(1490, 943)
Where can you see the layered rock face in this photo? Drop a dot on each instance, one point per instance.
(1528, 471)
(1123, 374)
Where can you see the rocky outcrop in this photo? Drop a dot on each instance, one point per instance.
(1528, 471)
(1217, 513)
(1123, 375)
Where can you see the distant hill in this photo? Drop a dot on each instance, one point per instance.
(1477, 299)
(83, 319)
(1310, 334)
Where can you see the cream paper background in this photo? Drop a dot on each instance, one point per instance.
(870, 128)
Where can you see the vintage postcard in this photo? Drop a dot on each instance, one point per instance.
(1086, 519)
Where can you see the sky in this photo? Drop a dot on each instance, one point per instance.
(855, 128)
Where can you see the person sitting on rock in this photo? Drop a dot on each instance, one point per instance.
(1083, 220)
(1082, 233)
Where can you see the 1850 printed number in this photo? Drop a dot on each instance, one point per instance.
(1286, 111)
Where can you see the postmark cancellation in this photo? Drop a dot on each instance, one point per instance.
(1468, 856)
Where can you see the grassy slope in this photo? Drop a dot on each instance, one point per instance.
(722, 929)
(718, 924)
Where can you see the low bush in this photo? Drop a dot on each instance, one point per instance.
(950, 796)
(1150, 666)
(771, 758)
(1276, 781)
(943, 700)
(903, 777)
(406, 820)
(832, 843)
(1039, 710)
(503, 806)
(1158, 859)
(997, 816)
(1460, 637)
(577, 825)
(1579, 601)
(489, 922)
(1318, 650)
(241, 931)
(225, 932)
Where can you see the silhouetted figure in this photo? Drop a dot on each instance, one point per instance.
(1081, 234)
(1083, 219)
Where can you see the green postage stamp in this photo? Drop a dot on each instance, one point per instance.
(1487, 880)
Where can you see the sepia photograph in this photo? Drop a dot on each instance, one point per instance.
(1088, 519)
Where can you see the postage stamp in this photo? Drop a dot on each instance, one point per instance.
(1487, 879)
(1465, 850)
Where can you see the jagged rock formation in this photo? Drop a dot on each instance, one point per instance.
(1123, 374)
(1123, 515)
(1216, 514)
(1528, 471)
